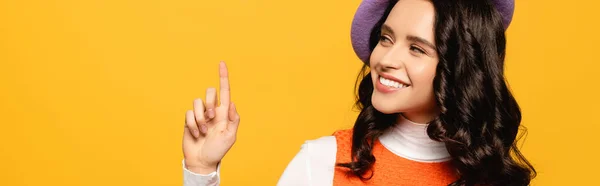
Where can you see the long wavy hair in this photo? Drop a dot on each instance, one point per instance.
(479, 117)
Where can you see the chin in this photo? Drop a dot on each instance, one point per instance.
(384, 106)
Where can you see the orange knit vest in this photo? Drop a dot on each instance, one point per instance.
(389, 168)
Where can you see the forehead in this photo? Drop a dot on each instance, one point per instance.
(412, 17)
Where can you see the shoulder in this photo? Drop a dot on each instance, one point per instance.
(321, 151)
(328, 143)
(324, 149)
(320, 146)
(321, 159)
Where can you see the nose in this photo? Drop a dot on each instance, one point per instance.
(392, 60)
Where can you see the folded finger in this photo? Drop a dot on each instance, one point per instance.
(190, 123)
(200, 120)
(211, 101)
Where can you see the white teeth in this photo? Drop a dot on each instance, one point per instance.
(391, 83)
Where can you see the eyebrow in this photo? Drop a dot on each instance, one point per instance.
(417, 39)
(420, 40)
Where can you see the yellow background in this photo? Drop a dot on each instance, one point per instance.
(94, 92)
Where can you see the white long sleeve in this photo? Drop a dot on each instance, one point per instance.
(193, 179)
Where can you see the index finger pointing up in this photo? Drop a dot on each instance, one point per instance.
(224, 84)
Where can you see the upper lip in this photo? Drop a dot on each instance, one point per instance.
(390, 77)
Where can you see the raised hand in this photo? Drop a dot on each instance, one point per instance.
(210, 129)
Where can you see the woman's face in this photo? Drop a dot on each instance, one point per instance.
(404, 61)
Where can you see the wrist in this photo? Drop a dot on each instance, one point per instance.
(201, 169)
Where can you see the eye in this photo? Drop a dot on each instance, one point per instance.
(384, 38)
(417, 49)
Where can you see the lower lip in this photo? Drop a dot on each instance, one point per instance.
(385, 89)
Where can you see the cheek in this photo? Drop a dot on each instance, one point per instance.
(422, 76)
(422, 73)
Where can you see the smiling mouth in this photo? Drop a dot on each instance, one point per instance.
(391, 83)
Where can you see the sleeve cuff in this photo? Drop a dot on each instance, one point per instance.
(194, 179)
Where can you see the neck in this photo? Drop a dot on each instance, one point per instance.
(410, 140)
(424, 116)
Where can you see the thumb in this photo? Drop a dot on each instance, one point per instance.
(234, 118)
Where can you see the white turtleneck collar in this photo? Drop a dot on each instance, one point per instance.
(410, 140)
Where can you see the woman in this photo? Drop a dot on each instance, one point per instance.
(435, 107)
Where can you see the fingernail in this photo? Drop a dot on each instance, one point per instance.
(195, 133)
(203, 127)
(211, 113)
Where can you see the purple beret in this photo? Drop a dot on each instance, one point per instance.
(370, 11)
